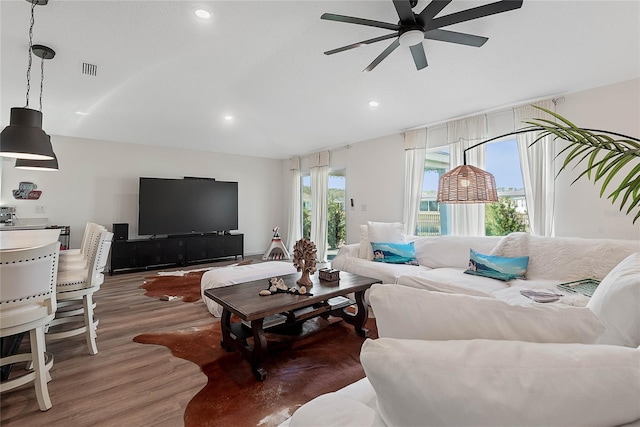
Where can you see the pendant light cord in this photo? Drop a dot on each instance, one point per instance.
(41, 80)
(33, 6)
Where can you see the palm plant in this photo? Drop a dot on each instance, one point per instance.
(605, 154)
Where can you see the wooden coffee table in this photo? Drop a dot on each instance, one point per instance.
(244, 301)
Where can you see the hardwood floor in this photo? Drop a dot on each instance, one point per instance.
(126, 383)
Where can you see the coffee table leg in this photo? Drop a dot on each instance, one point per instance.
(359, 319)
(259, 350)
(225, 327)
(362, 315)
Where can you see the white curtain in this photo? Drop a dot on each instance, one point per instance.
(538, 173)
(414, 154)
(467, 219)
(319, 167)
(295, 212)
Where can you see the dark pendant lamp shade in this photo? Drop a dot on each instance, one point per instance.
(467, 184)
(24, 137)
(38, 165)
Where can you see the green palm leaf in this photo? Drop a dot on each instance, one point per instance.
(603, 154)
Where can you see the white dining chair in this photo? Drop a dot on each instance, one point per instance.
(79, 259)
(27, 304)
(74, 291)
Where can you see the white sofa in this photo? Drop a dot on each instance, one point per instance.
(443, 259)
(460, 360)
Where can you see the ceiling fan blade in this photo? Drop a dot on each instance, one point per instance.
(432, 9)
(474, 13)
(362, 43)
(359, 21)
(383, 55)
(455, 37)
(420, 59)
(404, 11)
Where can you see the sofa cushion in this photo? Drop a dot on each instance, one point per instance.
(394, 253)
(450, 251)
(616, 302)
(452, 280)
(566, 258)
(507, 383)
(388, 273)
(403, 312)
(333, 409)
(497, 267)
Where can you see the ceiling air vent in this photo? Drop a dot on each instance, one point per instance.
(89, 69)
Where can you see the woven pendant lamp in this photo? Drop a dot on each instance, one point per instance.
(467, 184)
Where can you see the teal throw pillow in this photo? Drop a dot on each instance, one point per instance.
(394, 253)
(497, 267)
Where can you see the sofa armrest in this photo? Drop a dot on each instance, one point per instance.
(403, 312)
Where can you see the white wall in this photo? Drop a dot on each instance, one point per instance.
(580, 211)
(375, 169)
(98, 181)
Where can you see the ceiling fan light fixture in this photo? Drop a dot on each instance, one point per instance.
(411, 38)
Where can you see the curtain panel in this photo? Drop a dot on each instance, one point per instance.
(415, 142)
(538, 171)
(319, 168)
(295, 212)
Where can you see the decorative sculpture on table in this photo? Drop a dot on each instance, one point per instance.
(304, 259)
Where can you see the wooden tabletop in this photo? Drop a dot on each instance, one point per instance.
(244, 300)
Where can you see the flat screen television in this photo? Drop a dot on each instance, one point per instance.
(186, 206)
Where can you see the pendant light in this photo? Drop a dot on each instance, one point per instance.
(43, 52)
(24, 137)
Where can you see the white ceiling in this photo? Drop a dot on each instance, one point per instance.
(167, 78)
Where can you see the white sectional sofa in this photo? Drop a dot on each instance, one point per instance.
(458, 360)
(442, 261)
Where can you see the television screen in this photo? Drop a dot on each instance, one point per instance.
(185, 206)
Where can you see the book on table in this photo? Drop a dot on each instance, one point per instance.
(541, 295)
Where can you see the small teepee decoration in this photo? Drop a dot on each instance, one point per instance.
(304, 259)
(277, 249)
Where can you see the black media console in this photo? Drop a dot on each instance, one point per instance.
(139, 254)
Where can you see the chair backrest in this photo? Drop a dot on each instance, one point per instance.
(92, 240)
(98, 260)
(28, 276)
(85, 237)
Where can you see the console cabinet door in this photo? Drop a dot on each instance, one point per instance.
(234, 245)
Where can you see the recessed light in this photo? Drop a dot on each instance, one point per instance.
(202, 13)
(82, 113)
(228, 118)
(373, 103)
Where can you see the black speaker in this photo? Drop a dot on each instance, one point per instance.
(121, 231)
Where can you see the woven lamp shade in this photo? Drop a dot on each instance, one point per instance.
(467, 184)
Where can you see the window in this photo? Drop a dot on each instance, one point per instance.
(510, 214)
(336, 215)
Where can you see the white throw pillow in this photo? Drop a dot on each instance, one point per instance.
(404, 312)
(502, 383)
(365, 251)
(616, 302)
(389, 232)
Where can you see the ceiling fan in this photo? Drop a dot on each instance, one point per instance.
(414, 27)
